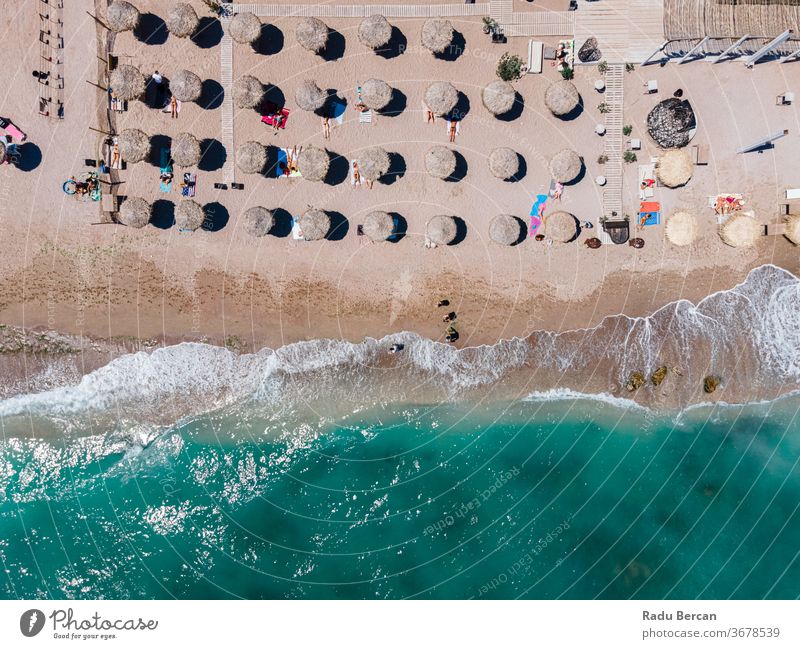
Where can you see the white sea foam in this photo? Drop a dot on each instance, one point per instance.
(565, 394)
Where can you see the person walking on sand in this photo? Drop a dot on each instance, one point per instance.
(159, 81)
(430, 117)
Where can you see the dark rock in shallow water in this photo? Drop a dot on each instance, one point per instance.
(635, 382)
(670, 121)
(659, 375)
(710, 383)
(589, 51)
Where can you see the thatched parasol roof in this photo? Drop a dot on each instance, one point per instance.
(186, 86)
(135, 212)
(562, 97)
(499, 97)
(309, 96)
(504, 163)
(441, 97)
(122, 16)
(182, 20)
(314, 224)
(376, 94)
(251, 157)
(374, 32)
(373, 163)
(670, 123)
(313, 163)
(248, 92)
(565, 166)
(258, 221)
(441, 230)
(2, 151)
(740, 231)
(561, 226)
(134, 145)
(506, 229)
(127, 82)
(440, 162)
(674, 168)
(378, 226)
(437, 35)
(245, 27)
(681, 229)
(312, 34)
(189, 215)
(793, 229)
(186, 150)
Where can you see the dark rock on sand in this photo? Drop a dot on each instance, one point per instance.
(659, 375)
(589, 51)
(635, 381)
(710, 383)
(670, 121)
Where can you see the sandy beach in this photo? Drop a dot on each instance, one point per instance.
(117, 286)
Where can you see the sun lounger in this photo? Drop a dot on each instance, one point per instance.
(115, 104)
(700, 154)
(8, 126)
(792, 194)
(283, 164)
(297, 233)
(535, 56)
(647, 173)
(109, 203)
(365, 117)
(189, 187)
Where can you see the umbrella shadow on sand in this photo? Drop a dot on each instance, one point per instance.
(398, 43)
(270, 40)
(152, 30)
(216, 217)
(339, 226)
(461, 231)
(163, 215)
(208, 34)
(516, 109)
(400, 227)
(282, 225)
(338, 171)
(214, 155)
(460, 172)
(212, 95)
(30, 156)
(397, 104)
(334, 48)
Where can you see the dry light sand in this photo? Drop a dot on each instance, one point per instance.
(60, 272)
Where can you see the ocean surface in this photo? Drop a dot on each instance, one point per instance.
(335, 470)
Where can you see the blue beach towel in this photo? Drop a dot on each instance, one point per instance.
(282, 158)
(337, 112)
(649, 218)
(538, 206)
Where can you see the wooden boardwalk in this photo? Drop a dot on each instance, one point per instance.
(226, 78)
(627, 31)
(362, 10)
(612, 192)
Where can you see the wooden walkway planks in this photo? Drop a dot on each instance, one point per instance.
(626, 30)
(226, 78)
(612, 192)
(363, 10)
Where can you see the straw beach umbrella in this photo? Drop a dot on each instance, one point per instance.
(674, 168)
(376, 94)
(441, 230)
(561, 226)
(740, 231)
(134, 145)
(562, 97)
(127, 82)
(312, 34)
(313, 163)
(375, 32)
(186, 86)
(441, 97)
(437, 35)
(248, 92)
(499, 97)
(314, 224)
(186, 150)
(565, 166)
(440, 162)
(251, 157)
(504, 163)
(3, 151)
(506, 229)
(258, 221)
(681, 229)
(189, 215)
(182, 20)
(309, 96)
(122, 16)
(245, 27)
(135, 212)
(373, 163)
(793, 229)
(378, 225)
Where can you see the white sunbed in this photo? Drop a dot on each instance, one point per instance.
(365, 117)
(535, 56)
(646, 172)
(792, 194)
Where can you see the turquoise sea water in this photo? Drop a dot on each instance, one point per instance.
(561, 498)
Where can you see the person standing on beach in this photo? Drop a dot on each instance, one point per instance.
(159, 81)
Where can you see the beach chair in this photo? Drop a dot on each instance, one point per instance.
(189, 186)
(165, 167)
(353, 175)
(365, 117)
(535, 56)
(647, 173)
(115, 104)
(8, 126)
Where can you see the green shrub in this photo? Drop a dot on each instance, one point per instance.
(627, 129)
(509, 67)
(603, 108)
(602, 67)
(567, 73)
(629, 156)
(602, 159)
